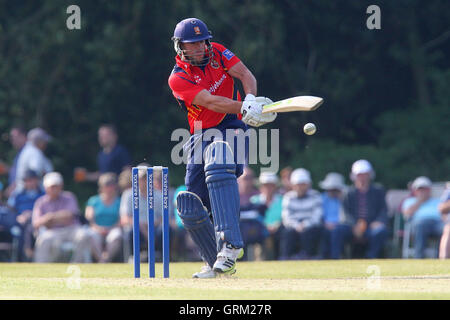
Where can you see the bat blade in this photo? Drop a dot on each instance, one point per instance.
(299, 103)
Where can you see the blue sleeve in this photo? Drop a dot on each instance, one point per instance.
(125, 159)
(92, 201)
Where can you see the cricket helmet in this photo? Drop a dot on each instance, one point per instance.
(188, 31)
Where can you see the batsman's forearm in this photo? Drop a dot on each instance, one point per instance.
(224, 105)
(249, 84)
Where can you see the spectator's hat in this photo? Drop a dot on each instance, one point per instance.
(30, 174)
(268, 177)
(300, 175)
(333, 181)
(52, 179)
(107, 179)
(142, 172)
(38, 134)
(421, 182)
(361, 166)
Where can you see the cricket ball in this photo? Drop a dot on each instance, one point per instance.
(309, 128)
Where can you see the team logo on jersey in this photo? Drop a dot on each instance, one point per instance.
(228, 54)
(214, 64)
(197, 30)
(197, 79)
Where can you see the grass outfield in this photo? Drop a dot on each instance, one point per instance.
(274, 280)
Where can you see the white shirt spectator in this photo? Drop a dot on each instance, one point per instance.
(31, 158)
(306, 210)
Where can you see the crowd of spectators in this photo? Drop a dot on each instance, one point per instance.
(282, 216)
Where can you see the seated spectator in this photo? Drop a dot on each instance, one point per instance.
(22, 202)
(285, 175)
(365, 214)
(18, 138)
(422, 211)
(32, 156)
(246, 184)
(301, 218)
(113, 157)
(251, 223)
(102, 212)
(334, 187)
(126, 211)
(271, 199)
(56, 220)
(444, 208)
(9, 231)
(124, 180)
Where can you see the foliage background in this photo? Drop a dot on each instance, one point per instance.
(386, 91)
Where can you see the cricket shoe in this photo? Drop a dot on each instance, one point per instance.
(207, 273)
(226, 259)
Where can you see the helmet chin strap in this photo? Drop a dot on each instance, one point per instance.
(187, 58)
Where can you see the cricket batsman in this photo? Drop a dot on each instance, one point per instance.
(203, 85)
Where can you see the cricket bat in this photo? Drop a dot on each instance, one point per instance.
(299, 103)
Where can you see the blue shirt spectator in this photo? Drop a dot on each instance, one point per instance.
(331, 208)
(102, 211)
(426, 210)
(113, 157)
(423, 212)
(105, 215)
(114, 160)
(334, 187)
(24, 200)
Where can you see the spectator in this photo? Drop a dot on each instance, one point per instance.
(102, 212)
(124, 180)
(334, 187)
(9, 231)
(423, 213)
(285, 175)
(113, 157)
(22, 202)
(246, 184)
(32, 156)
(271, 199)
(301, 217)
(444, 208)
(126, 210)
(365, 214)
(18, 138)
(252, 214)
(56, 219)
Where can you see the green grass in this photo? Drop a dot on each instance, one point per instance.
(342, 279)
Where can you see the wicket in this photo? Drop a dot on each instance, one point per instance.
(151, 218)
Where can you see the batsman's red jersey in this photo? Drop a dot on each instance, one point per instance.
(186, 81)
